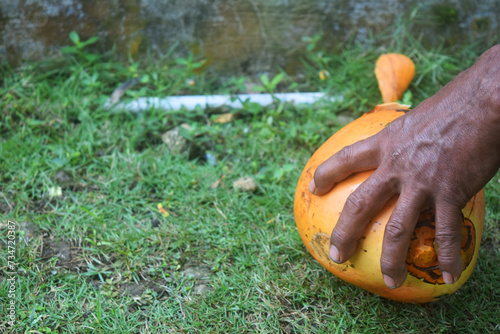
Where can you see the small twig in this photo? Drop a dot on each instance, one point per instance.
(7, 201)
(178, 300)
(219, 211)
(163, 246)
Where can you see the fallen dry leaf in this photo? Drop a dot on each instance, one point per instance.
(224, 118)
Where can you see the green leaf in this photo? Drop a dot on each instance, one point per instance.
(34, 122)
(145, 79)
(182, 61)
(91, 57)
(198, 64)
(91, 40)
(276, 80)
(69, 49)
(264, 79)
(87, 211)
(407, 97)
(74, 37)
(259, 89)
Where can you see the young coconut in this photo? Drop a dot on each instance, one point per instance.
(316, 216)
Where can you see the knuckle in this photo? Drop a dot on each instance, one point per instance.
(448, 237)
(445, 260)
(396, 157)
(356, 203)
(395, 230)
(390, 267)
(345, 154)
(454, 194)
(393, 184)
(448, 243)
(451, 263)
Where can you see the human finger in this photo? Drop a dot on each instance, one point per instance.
(448, 239)
(361, 156)
(397, 235)
(360, 207)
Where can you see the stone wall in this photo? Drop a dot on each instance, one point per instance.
(235, 36)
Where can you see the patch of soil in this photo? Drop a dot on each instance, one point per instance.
(40, 205)
(131, 289)
(63, 178)
(61, 250)
(197, 271)
(202, 289)
(137, 289)
(68, 183)
(141, 292)
(68, 255)
(201, 273)
(30, 230)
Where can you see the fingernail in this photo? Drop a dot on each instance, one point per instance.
(448, 278)
(334, 254)
(389, 282)
(312, 187)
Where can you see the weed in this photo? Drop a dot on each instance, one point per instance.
(96, 253)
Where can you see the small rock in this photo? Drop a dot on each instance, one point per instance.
(155, 223)
(132, 289)
(211, 160)
(201, 272)
(176, 143)
(201, 289)
(55, 191)
(245, 183)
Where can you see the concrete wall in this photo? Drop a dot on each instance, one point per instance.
(236, 36)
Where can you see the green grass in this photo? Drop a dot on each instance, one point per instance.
(102, 258)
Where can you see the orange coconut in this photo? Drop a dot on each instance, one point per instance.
(316, 216)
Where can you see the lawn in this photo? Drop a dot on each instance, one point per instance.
(115, 233)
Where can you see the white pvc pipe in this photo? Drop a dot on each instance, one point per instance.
(212, 101)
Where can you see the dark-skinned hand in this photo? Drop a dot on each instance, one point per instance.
(440, 154)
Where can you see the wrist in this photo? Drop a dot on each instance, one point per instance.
(482, 82)
(488, 90)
